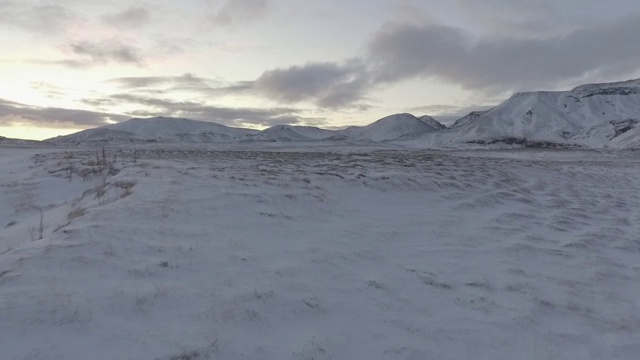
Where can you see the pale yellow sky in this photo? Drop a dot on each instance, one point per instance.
(30, 132)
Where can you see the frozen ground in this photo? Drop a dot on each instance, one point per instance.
(198, 254)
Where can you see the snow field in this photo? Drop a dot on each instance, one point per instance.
(319, 255)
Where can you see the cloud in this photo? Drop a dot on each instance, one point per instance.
(517, 17)
(18, 113)
(492, 66)
(184, 83)
(13, 112)
(234, 116)
(131, 18)
(410, 11)
(45, 19)
(539, 18)
(102, 52)
(137, 82)
(235, 12)
(329, 84)
(71, 63)
(49, 90)
(400, 51)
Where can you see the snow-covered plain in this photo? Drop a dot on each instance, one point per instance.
(192, 253)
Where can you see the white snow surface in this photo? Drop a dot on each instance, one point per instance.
(305, 254)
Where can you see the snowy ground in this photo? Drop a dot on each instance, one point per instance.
(198, 254)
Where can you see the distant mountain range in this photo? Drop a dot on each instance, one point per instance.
(173, 130)
(595, 115)
(19, 142)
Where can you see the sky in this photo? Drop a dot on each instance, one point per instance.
(69, 65)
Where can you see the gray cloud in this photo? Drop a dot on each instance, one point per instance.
(329, 85)
(49, 90)
(11, 112)
(18, 113)
(137, 82)
(131, 18)
(200, 111)
(184, 83)
(103, 52)
(235, 12)
(399, 52)
(539, 18)
(403, 51)
(44, 19)
(517, 17)
(71, 63)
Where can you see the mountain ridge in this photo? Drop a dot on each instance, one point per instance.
(556, 116)
(590, 115)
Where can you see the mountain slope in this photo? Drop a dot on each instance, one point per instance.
(468, 118)
(159, 129)
(593, 115)
(293, 133)
(99, 134)
(21, 142)
(555, 116)
(432, 122)
(615, 134)
(166, 127)
(389, 128)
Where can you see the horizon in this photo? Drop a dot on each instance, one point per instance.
(211, 122)
(447, 122)
(76, 66)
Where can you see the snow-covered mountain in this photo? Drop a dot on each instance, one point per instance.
(593, 115)
(293, 133)
(564, 117)
(99, 134)
(468, 118)
(159, 129)
(615, 134)
(20, 142)
(433, 122)
(173, 130)
(390, 128)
